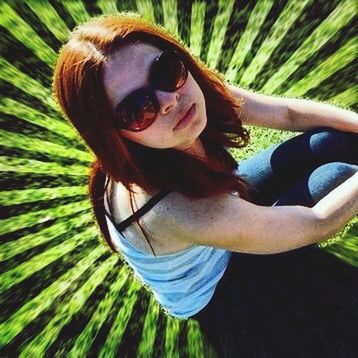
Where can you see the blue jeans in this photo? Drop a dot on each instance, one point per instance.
(302, 170)
(300, 303)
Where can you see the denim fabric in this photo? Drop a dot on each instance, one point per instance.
(301, 303)
(303, 169)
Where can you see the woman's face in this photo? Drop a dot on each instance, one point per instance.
(127, 70)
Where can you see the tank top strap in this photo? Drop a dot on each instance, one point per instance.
(140, 212)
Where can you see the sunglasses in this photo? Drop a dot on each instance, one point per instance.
(140, 108)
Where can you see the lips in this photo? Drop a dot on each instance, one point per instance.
(185, 119)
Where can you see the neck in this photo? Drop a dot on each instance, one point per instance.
(198, 150)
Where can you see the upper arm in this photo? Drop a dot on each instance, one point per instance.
(232, 223)
(262, 110)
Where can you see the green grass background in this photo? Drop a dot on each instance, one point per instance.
(62, 292)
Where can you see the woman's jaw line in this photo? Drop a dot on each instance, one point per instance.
(195, 148)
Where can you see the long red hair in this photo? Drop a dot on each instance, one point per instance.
(79, 89)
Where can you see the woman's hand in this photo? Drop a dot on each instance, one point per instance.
(292, 114)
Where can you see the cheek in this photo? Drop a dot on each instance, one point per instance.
(153, 137)
(191, 86)
(195, 92)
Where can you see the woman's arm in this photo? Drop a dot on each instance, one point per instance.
(231, 223)
(339, 206)
(292, 114)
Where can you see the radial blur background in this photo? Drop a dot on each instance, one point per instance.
(62, 292)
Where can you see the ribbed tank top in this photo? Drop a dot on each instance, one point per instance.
(183, 282)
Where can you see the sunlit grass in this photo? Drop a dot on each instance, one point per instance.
(257, 18)
(77, 11)
(38, 346)
(25, 83)
(170, 16)
(337, 19)
(145, 9)
(346, 98)
(172, 337)
(12, 197)
(30, 241)
(220, 27)
(31, 115)
(44, 228)
(149, 330)
(32, 218)
(121, 320)
(29, 267)
(108, 7)
(21, 141)
(87, 336)
(50, 18)
(24, 33)
(197, 27)
(28, 312)
(283, 24)
(346, 53)
(9, 164)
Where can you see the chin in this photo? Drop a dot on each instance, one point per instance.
(199, 126)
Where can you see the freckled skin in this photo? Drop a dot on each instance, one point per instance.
(127, 70)
(225, 221)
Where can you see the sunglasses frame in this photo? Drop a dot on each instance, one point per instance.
(148, 93)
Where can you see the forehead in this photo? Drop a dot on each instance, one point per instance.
(127, 69)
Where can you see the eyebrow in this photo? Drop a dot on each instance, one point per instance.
(116, 108)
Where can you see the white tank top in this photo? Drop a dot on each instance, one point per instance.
(183, 282)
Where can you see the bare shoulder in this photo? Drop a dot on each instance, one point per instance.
(225, 221)
(160, 223)
(166, 222)
(186, 219)
(229, 222)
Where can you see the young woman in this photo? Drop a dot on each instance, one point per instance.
(230, 244)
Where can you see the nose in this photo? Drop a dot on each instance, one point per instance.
(167, 100)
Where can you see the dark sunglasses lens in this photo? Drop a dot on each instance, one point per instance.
(169, 72)
(140, 109)
(139, 112)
